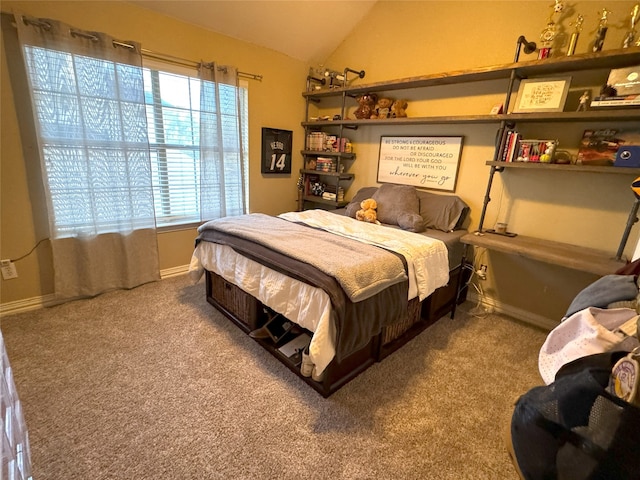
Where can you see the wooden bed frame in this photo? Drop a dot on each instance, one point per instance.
(249, 314)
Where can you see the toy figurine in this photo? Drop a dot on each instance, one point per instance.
(631, 34)
(602, 30)
(584, 100)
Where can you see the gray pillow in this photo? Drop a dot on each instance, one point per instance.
(411, 222)
(354, 204)
(442, 212)
(399, 205)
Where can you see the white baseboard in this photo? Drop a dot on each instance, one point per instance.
(174, 271)
(26, 305)
(35, 303)
(515, 312)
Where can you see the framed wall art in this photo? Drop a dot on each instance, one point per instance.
(425, 162)
(542, 95)
(276, 150)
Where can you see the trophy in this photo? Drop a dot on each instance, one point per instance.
(549, 33)
(631, 34)
(573, 41)
(602, 30)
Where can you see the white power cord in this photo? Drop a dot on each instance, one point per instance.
(481, 309)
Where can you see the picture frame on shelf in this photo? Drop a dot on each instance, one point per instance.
(276, 150)
(537, 95)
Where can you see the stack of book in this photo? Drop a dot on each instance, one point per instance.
(324, 164)
(333, 193)
(509, 146)
(316, 141)
(617, 101)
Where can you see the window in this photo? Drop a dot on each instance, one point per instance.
(91, 117)
(173, 118)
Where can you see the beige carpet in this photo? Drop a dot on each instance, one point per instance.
(153, 383)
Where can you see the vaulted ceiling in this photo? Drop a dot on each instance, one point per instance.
(283, 26)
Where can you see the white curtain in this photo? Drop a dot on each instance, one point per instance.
(89, 110)
(222, 153)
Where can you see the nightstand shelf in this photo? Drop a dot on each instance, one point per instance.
(562, 254)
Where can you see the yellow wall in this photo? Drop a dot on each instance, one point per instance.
(405, 39)
(274, 102)
(397, 39)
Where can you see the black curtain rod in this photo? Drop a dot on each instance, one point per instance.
(143, 51)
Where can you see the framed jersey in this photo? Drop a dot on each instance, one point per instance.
(276, 150)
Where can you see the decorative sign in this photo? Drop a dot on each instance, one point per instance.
(426, 162)
(276, 150)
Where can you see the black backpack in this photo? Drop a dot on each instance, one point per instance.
(574, 429)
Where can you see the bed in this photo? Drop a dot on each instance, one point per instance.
(359, 290)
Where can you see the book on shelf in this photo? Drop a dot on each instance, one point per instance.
(625, 80)
(503, 142)
(333, 193)
(325, 164)
(618, 101)
(509, 148)
(598, 147)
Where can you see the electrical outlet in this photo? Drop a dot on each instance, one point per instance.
(8, 269)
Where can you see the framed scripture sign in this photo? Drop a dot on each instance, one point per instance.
(276, 150)
(426, 162)
(542, 95)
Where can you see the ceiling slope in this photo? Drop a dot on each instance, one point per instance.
(307, 30)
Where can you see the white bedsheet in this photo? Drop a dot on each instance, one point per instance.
(308, 306)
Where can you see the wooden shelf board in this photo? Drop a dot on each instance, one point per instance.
(407, 121)
(619, 58)
(568, 168)
(319, 153)
(556, 253)
(341, 176)
(315, 199)
(594, 115)
(621, 115)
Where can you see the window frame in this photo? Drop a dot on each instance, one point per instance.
(171, 68)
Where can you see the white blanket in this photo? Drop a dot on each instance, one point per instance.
(308, 306)
(427, 258)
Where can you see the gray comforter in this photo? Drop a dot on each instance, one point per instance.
(356, 322)
(361, 269)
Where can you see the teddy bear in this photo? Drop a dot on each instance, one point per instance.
(383, 108)
(367, 103)
(367, 212)
(398, 108)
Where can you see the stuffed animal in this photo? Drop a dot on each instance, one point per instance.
(398, 108)
(367, 103)
(367, 212)
(383, 108)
